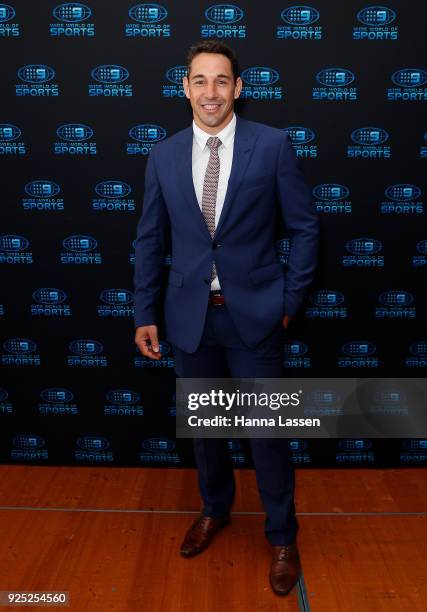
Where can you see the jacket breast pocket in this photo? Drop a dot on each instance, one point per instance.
(175, 278)
(264, 273)
(259, 182)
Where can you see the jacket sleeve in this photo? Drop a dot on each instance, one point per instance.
(150, 249)
(301, 221)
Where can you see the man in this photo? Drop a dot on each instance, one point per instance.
(216, 187)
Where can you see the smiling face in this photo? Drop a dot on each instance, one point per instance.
(211, 89)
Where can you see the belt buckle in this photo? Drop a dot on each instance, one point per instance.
(216, 298)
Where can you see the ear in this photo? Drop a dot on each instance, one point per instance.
(185, 84)
(238, 87)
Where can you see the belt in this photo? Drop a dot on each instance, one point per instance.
(216, 298)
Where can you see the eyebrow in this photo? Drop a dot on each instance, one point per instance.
(222, 76)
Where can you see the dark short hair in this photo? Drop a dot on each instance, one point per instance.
(213, 46)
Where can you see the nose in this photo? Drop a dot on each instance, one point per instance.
(210, 90)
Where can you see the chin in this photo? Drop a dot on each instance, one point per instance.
(213, 120)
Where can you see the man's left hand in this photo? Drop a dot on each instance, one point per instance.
(286, 320)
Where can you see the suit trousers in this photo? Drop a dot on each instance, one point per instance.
(222, 354)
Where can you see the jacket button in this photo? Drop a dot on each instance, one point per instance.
(215, 245)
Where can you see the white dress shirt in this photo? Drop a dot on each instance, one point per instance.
(200, 158)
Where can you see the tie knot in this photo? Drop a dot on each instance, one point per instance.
(213, 142)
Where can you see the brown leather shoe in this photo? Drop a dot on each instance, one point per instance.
(201, 534)
(285, 568)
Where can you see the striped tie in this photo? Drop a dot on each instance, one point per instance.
(210, 189)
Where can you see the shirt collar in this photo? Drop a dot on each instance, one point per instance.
(226, 135)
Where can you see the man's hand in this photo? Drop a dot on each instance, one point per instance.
(147, 341)
(286, 320)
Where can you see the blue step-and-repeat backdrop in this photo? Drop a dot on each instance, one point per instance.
(87, 89)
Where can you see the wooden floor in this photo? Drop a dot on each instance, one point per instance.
(110, 536)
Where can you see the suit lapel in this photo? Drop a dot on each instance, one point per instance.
(244, 141)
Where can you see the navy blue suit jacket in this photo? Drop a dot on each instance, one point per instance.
(265, 174)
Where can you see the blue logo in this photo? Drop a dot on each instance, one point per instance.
(422, 247)
(369, 136)
(28, 441)
(409, 77)
(284, 246)
(335, 77)
(300, 135)
(118, 303)
(165, 348)
(122, 396)
(74, 131)
(328, 397)
(295, 349)
(6, 13)
(148, 21)
(116, 296)
(110, 74)
(363, 246)
(234, 445)
(72, 21)
(72, 12)
(224, 14)
(113, 196)
(330, 191)
(87, 354)
(48, 295)
(56, 395)
(9, 132)
(85, 347)
(12, 242)
(42, 189)
(260, 75)
(146, 132)
(158, 445)
(419, 348)
(36, 73)
(93, 443)
(42, 192)
(326, 304)
(297, 445)
(396, 298)
(148, 13)
(402, 192)
(414, 445)
(391, 396)
(326, 297)
(376, 16)
(300, 15)
(113, 189)
(358, 348)
(19, 346)
(3, 395)
(79, 243)
(176, 74)
(300, 24)
(354, 445)
(9, 135)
